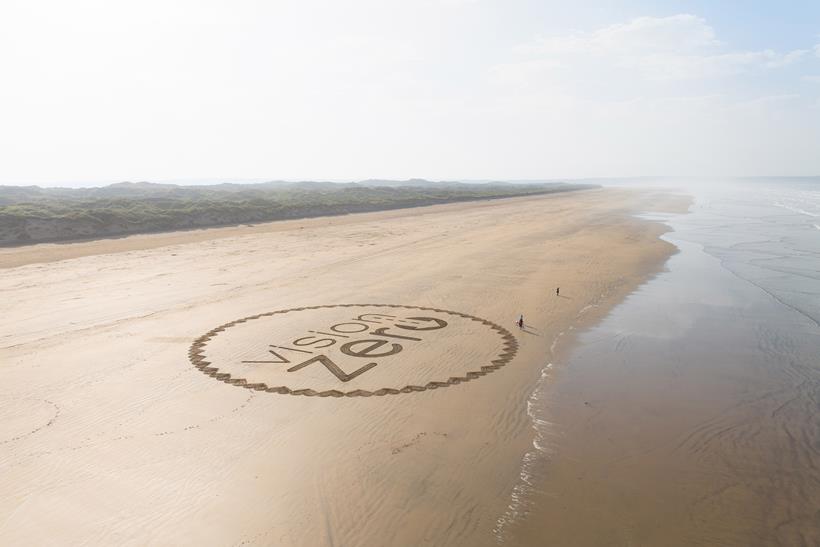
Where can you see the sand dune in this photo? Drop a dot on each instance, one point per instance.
(111, 434)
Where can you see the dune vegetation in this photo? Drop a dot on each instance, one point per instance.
(33, 214)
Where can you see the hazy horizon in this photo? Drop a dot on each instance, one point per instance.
(216, 181)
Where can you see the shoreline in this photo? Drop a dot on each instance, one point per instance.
(556, 359)
(126, 318)
(686, 415)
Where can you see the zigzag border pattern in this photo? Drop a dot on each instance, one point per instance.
(197, 357)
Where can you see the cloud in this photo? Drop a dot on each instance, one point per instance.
(787, 59)
(766, 101)
(659, 34)
(682, 67)
(679, 47)
(657, 94)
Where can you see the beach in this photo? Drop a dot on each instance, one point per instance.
(355, 380)
(688, 416)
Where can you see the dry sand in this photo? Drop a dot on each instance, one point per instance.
(111, 435)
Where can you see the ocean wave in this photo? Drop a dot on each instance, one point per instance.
(519, 504)
(798, 210)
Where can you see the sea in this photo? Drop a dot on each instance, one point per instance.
(691, 413)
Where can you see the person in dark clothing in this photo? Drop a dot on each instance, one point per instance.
(521, 321)
(557, 291)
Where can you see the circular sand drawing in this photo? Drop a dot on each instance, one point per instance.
(353, 350)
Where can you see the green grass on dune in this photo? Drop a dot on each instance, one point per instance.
(126, 208)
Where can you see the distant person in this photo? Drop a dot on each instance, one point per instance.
(557, 291)
(521, 321)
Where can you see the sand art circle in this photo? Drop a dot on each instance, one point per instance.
(353, 350)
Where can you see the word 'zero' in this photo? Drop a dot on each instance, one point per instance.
(368, 336)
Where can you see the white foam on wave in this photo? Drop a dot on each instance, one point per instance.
(520, 497)
(536, 409)
(795, 209)
(587, 307)
(521, 494)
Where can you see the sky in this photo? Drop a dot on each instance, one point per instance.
(99, 91)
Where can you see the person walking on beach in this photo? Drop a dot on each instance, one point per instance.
(557, 291)
(521, 321)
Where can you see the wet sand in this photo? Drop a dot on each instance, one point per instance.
(111, 434)
(689, 415)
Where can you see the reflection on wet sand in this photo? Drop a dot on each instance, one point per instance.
(688, 417)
